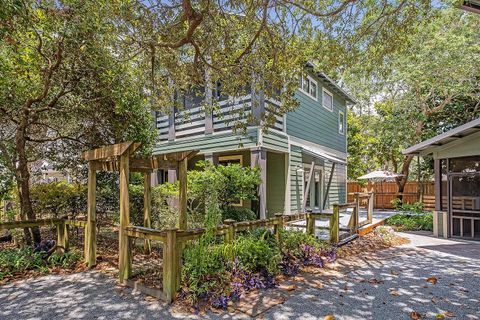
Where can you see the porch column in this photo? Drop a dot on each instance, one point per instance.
(259, 159)
(212, 157)
(438, 182)
(172, 175)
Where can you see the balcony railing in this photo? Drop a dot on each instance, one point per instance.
(226, 115)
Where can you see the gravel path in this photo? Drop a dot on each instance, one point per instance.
(388, 285)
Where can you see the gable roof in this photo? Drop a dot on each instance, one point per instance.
(425, 147)
(332, 84)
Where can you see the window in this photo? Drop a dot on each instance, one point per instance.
(308, 86)
(341, 122)
(225, 161)
(327, 100)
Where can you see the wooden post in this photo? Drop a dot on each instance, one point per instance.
(147, 199)
(182, 175)
(278, 227)
(306, 192)
(91, 227)
(230, 236)
(335, 224)
(357, 210)
(124, 254)
(310, 224)
(171, 265)
(328, 185)
(371, 197)
(62, 237)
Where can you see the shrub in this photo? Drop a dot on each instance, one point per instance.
(416, 207)
(55, 199)
(403, 222)
(238, 214)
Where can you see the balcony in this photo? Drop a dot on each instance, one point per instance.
(227, 115)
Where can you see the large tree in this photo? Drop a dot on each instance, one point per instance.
(76, 74)
(428, 87)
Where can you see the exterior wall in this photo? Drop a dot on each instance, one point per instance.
(296, 179)
(210, 143)
(272, 140)
(314, 123)
(276, 181)
(338, 188)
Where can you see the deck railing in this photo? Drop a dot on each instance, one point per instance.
(224, 117)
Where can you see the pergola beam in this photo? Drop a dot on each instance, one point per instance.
(114, 150)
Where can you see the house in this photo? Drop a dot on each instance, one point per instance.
(302, 156)
(456, 155)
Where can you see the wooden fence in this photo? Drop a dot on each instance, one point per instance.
(387, 191)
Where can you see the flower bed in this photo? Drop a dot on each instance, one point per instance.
(215, 273)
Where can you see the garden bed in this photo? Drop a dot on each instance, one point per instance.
(411, 221)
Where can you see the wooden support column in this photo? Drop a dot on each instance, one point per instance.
(310, 224)
(124, 254)
(335, 224)
(259, 159)
(147, 212)
(182, 175)
(371, 197)
(91, 228)
(307, 188)
(328, 185)
(171, 265)
(62, 236)
(438, 182)
(230, 235)
(278, 227)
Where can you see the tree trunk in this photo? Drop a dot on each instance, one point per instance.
(401, 181)
(22, 176)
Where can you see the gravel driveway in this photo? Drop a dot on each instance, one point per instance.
(388, 285)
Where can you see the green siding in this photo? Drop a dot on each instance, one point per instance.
(337, 192)
(296, 179)
(312, 122)
(276, 182)
(210, 143)
(275, 141)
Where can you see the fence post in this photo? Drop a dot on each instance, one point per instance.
(310, 224)
(370, 207)
(334, 224)
(277, 229)
(62, 236)
(171, 265)
(230, 236)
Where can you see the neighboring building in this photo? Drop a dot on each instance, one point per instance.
(456, 155)
(471, 5)
(44, 172)
(308, 142)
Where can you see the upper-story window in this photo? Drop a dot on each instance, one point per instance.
(308, 86)
(341, 122)
(327, 100)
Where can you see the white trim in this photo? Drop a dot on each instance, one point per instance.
(301, 143)
(343, 122)
(330, 94)
(309, 78)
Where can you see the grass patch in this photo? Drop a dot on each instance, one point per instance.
(404, 222)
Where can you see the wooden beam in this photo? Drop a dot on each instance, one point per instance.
(113, 150)
(307, 188)
(91, 227)
(328, 185)
(124, 254)
(182, 176)
(147, 199)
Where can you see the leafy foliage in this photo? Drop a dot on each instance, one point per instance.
(407, 222)
(56, 199)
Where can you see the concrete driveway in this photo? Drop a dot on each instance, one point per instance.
(387, 285)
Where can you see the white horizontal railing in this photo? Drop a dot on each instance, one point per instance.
(225, 116)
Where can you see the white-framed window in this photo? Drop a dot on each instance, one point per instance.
(233, 159)
(308, 86)
(327, 99)
(341, 122)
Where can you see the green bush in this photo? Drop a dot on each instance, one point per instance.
(23, 259)
(238, 214)
(403, 222)
(55, 199)
(416, 207)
